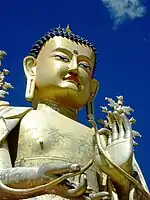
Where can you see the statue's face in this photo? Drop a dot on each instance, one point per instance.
(64, 72)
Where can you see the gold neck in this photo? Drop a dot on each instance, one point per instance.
(66, 111)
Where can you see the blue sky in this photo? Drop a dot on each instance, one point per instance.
(123, 60)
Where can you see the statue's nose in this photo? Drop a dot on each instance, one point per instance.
(73, 67)
(73, 71)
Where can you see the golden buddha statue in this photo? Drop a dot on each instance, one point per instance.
(45, 152)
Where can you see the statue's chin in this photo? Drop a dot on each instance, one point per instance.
(65, 96)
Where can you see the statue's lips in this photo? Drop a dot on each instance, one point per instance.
(73, 79)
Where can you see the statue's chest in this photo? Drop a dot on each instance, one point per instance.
(55, 137)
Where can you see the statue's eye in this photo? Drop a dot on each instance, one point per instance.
(84, 65)
(63, 58)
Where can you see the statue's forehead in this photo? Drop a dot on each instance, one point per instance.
(73, 47)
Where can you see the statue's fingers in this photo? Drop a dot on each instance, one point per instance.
(54, 169)
(105, 137)
(114, 131)
(119, 124)
(113, 124)
(99, 195)
(127, 126)
(80, 189)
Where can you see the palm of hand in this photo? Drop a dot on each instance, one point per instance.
(118, 145)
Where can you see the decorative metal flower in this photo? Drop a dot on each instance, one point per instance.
(117, 106)
(3, 84)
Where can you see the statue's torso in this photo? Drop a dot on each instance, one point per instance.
(64, 140)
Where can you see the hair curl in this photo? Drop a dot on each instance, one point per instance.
(58, 32)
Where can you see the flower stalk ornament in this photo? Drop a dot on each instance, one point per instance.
(4, 86)
(119, 108)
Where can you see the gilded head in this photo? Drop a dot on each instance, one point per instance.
(60, 68)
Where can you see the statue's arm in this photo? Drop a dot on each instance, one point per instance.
(13, 176)
(22, 182)
(5, 161)
(25, 177)
(138, 175)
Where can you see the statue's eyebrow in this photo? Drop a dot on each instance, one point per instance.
(70, 54)
(63, 50)
(86, 58)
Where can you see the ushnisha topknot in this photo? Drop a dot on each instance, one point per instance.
(66, 33)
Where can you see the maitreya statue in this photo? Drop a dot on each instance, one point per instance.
(45, 153)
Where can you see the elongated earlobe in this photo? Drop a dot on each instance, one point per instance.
(90, 110)
(30, 87)
(90, 103)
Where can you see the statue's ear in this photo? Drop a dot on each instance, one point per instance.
(94, 88)
(29, 64)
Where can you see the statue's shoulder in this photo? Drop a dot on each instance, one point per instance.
(10, 116)
(12, 112)
(32, 119)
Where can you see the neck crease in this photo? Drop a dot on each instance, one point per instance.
(69, 112)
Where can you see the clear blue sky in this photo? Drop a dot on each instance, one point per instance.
(123, 54)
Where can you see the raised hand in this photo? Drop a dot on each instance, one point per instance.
(118, 144)
(116, 140)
